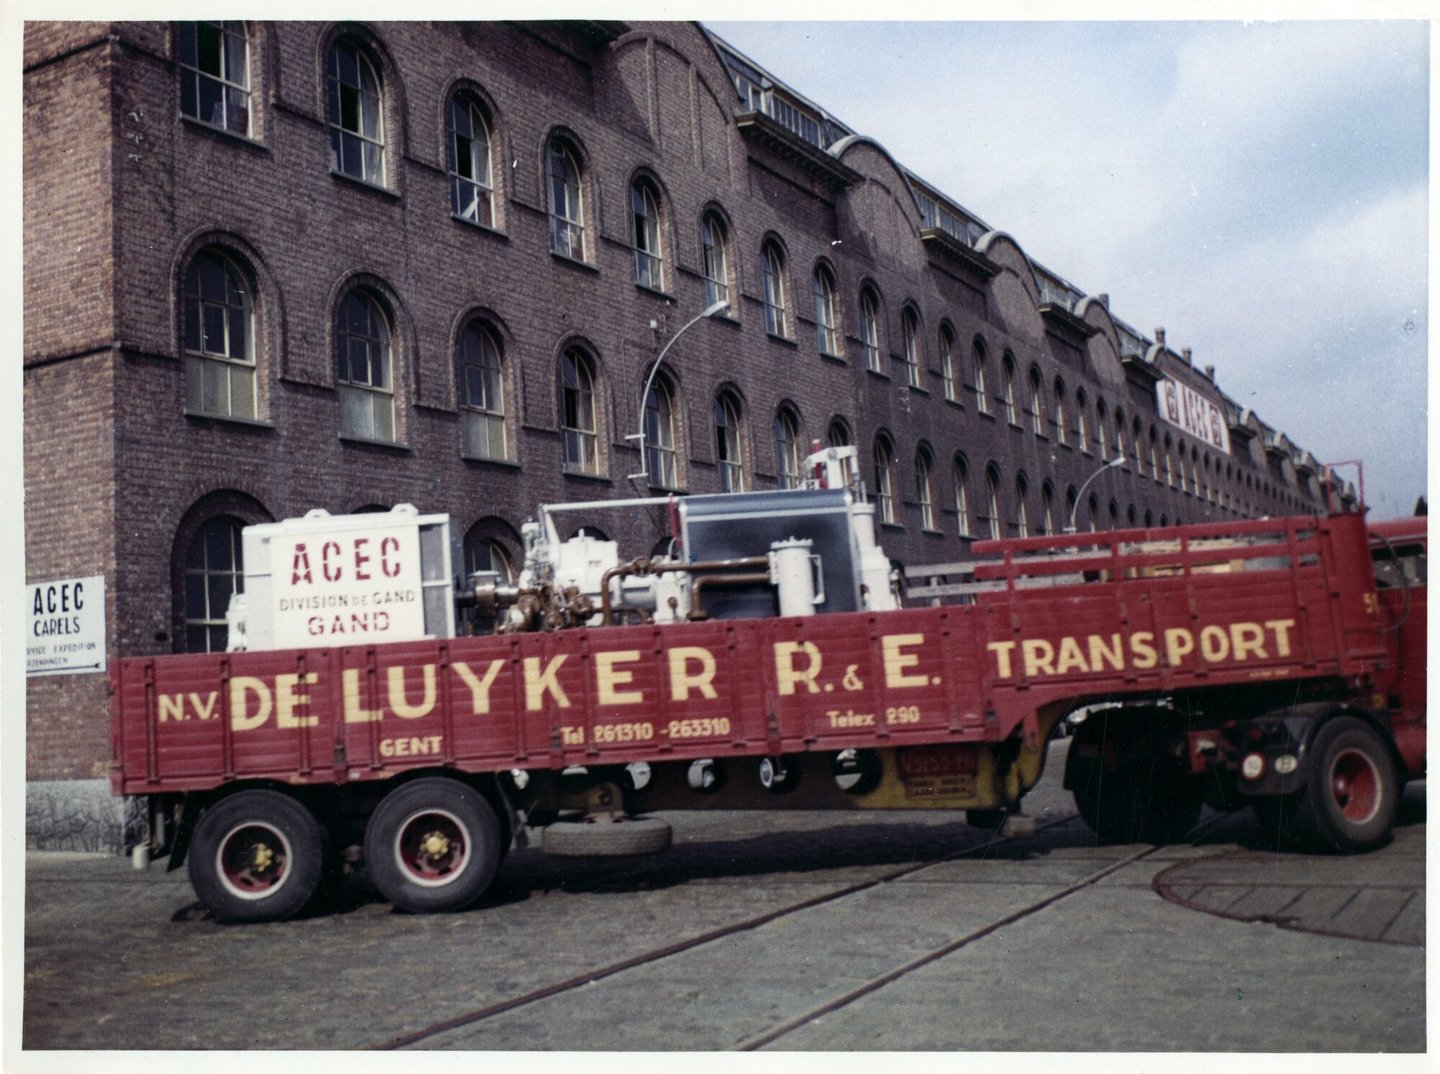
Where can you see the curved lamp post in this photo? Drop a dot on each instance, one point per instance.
(708, 311)
(1116, 461)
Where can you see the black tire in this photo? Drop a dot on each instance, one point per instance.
(256, 856)
(1147, 797)
(619, 838)
(1352, 790)
(1278, 816)
(432, 846)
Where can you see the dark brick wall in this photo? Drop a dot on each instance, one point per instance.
(121, 191)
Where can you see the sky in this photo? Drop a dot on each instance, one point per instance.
(1260, 190)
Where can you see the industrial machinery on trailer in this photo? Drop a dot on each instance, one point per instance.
(373, 708)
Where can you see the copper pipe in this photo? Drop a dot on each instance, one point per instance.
(697, 612)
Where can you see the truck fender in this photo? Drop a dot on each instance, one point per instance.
(1299, 724)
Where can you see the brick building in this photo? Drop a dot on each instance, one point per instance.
(270, 267)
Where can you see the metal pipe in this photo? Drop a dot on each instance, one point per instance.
(697, 612)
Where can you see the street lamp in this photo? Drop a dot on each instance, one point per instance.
(708, 311)
(1116, 461)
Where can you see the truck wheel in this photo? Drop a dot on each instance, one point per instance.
(618, 838)
(1148, 800)
(1352, 791)
(432, 846)
(256, 856)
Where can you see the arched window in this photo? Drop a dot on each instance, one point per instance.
(962, 497)
(357, 124)
(1119, 433)
(787, 448)
(838, 434)
(1037, 404)
(468, 151)
(487, 554)
(1060, 431)
(215, 74)
(1154, 456)
(1102, 440)
(1007, 386)
(1047, 505)
(661, 457)
(1094, 506)
(713, 260)
(1081, 425)
(992, 503)
(645, 214)
(578, 426)
(364, 363)
(213, 574)
(826, 333)
(564, 201)
(924, 492)
(978, 364)
(1022, 513)
(947, 362)
(910, 338)
(482, 401)
(727, 443)
(219, 338)
(870, 330)
(884, 456)
(772, 274)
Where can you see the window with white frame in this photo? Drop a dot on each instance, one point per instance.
(357, 125)
(578, 428)
(1022, 512)
(713, 260)
(215, 74)
(1007, 388)
(838, 434)
(978, 368)
(363, 368)
(884, 456)
(962, 497)
(727, 443)
(992, 503)
(827, 336)
(910, 340)
(1081, 436)
(487, 554)
(468, 147)
(660, 454)
(567, 218)
(924, 490)
(787, 449)
(1060, 431)
(870, 330)
(947, 363)
(645, 217)
(772, 274)
(219, 338)
(482, 408)
(1037, 404)
(213, 574)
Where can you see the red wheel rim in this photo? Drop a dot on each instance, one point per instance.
(1355, 786)
(253, 860)
(432, 847)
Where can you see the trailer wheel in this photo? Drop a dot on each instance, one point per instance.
(256, 856)
(1147, 797)
(1352, 792)
(609, 839)
(432, 846)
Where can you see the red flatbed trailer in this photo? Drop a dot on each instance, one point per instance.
(1182, 641)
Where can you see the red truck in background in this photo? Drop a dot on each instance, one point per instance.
(765, 662)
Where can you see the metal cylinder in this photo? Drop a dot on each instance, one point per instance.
(794, 580)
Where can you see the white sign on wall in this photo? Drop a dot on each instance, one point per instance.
(1198, 415)
(347, 587)
(67, 627)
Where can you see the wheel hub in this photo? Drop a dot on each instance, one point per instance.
(435, 845)
(1355, 786)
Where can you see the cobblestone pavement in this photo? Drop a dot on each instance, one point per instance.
(116, 958)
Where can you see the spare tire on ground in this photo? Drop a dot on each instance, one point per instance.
(606, 839)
